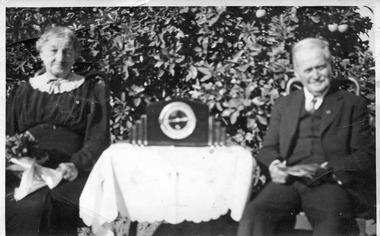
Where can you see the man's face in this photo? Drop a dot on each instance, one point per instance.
(58, 57)
(313, 69)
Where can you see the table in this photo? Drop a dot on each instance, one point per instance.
(166, 183)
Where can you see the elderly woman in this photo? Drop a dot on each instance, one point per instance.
(68, 114)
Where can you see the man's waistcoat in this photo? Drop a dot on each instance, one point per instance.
(308, 146)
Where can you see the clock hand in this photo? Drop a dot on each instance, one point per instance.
(177, 120)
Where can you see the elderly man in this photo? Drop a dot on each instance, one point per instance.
(318, 142)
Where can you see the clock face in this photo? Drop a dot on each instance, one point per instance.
(177, 120)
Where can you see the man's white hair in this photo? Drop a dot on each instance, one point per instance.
(309, 43)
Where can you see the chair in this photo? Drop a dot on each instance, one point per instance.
(294, 84)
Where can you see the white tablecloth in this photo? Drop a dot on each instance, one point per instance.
(170, 184)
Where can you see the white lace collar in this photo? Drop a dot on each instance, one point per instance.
(44, 84)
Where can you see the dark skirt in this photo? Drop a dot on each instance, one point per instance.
(47, 212)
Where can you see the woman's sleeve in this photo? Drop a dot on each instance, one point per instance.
(11, 114)
(97, 134)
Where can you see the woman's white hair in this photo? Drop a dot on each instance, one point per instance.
(59, 32)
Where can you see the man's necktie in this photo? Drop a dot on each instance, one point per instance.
(311, 107)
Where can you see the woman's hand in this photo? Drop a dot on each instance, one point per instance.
(69, 170)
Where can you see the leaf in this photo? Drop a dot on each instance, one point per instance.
(158, 64)
(188, 77)
(160, 73)
(227, 112)
(184, 10)
(238, 137)
(137, 101)
(234, 117)
(243, 68)
(180, 59)
(193, 72)
(219, 106)
(214, 20)
(251, 123)
(130, 46)
(249, 136)
(206, 77)
(262, 119)
(119, 42)
(117, 120)
(236, 56)
(196, 86)
(295, 18)
(345, 62)
(171, 69)
(258, 101)
(234, 103)
(198, 49)
(315, 19)
(134, 90)
(94, 53)
(204, 70)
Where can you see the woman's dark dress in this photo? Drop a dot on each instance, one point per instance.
(72, 127)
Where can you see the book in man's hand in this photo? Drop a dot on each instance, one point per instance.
(309, 174)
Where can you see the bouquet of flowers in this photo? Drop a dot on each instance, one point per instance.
(21, 146)
(24, 159)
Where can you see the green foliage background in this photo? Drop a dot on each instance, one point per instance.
(235, 61)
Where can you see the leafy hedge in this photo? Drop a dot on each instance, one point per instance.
(235, 59)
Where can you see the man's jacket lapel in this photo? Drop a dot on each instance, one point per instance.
(331, 108)
(291, 119)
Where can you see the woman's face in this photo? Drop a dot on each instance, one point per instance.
(58, 56)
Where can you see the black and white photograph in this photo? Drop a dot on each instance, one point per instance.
(161, 118)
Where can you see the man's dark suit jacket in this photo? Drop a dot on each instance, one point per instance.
(346, 136)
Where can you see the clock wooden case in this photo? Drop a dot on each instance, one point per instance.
(178, 122)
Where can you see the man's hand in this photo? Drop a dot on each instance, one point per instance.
(304, 170)
(69, 171)
(307, 170)
(278, 173)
